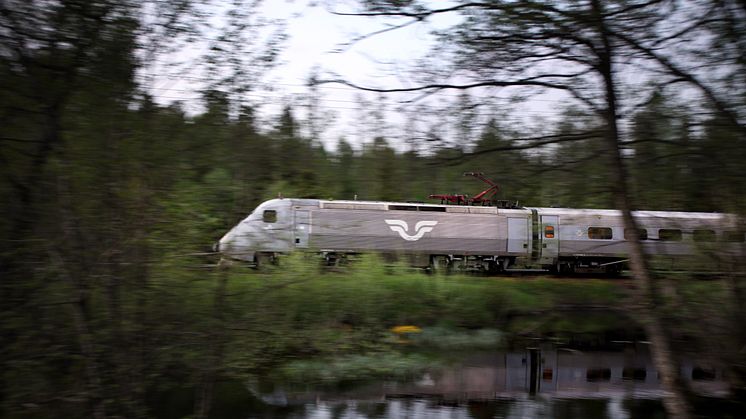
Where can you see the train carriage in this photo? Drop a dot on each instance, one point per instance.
(467, 237)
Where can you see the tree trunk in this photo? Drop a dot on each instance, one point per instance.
(674, 398)
(94, 383)
(206, 386)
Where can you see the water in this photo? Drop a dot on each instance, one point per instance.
(514, 409)
(419, 407)
(532, 382)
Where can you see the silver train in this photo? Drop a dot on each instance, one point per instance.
(472, 238)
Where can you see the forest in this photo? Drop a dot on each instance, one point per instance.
(111, 201)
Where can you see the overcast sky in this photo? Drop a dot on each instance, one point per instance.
(315, 36)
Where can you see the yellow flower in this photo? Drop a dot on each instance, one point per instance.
(405, 329)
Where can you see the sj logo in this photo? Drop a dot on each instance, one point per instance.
(401, 227)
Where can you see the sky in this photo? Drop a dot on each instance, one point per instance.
(316, 42)
(316, 38)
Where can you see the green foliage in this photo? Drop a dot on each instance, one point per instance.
(297, 319)
(444, 338)
(388, 365)
(110, 203)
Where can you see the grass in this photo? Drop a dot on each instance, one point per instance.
(303, 321)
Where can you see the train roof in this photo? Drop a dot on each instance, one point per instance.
(640, 213)
(389, 205)
(419, 206)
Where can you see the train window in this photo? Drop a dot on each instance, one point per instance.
(549, 232)
(703, 235)
(598, 374)
(733, 236)
(703, 374)
(642, 234)
(599, 233)
(637, 374)
(269, 216)
(669, 234)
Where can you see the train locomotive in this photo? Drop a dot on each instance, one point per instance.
(473, 237)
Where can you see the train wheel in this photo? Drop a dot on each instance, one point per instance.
(331, 259)
(565, 268)
(496, 267)
(263, 261)
(440, 265)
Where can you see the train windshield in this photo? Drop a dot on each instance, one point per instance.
(267, 212)
(269, 216)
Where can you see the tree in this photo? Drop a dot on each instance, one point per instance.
(379, 175)
(59, 59)
(580, 50)
(662, 150)
(90, 169)
(345, 170)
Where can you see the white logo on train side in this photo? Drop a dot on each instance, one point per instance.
(401, 227)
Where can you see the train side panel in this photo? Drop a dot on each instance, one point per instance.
(404, 228)
(587, 233)
(400, 231)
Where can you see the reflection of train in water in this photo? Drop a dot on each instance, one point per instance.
(562, 372)
(464, 237)
(551, 372)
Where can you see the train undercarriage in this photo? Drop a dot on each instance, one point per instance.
(470, 263)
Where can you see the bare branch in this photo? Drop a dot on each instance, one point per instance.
(631, 8)
(689, 28)
(719, 104)
(535, 143)
(419, 15)
(533, 81)
(347, 45)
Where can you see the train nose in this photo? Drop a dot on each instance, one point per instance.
(226, 243)
(236, 244)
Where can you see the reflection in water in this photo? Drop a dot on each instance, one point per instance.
(536, 382)
(549, 372)
(539, 407)
(542, 382)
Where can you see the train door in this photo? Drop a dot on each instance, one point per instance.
(549, 236)
(519, 241)
(302, 228)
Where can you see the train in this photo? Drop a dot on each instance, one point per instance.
(474, 237)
